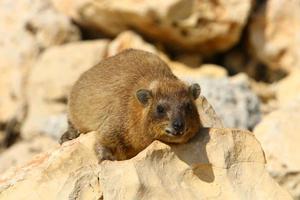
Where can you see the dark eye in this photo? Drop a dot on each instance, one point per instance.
(189, 106)
(160, 109)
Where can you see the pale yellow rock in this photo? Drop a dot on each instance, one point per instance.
(71, 170)
(8, 98)
(267, 95)
(36, 19)
(274, 34)
(202, 26)
(288, 89)
(23, 151)
(205, 70)
(279, 136)
(216, 164)
(50, 81)
(26, 27)
(208, 116)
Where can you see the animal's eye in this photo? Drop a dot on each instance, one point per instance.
(189, 106)
(160, 109)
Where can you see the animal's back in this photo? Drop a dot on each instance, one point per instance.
(99, 99)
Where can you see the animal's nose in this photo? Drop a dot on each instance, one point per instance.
(178, 125)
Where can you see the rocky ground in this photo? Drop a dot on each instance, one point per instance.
(244, 54)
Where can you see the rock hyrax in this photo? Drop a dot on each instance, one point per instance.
(130, 100)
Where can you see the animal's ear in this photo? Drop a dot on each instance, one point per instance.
(143, 96)
(195, 90)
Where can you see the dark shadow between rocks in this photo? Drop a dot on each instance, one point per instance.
(11, 132)
(194, 154)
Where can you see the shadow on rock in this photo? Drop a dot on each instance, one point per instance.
(194, 154)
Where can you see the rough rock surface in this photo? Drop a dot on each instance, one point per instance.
(230, 97)
(208, 116)
(202, 26)
(50, 81)
(267, 96)
(20, 153)
(205, 70)
(26, 28)
(38, 20)
(9, 98)
(288, 89)
(274, 34)
(279, 136)
(216, 164)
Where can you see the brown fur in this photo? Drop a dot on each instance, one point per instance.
(104, 100)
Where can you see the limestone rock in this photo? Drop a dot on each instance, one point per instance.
(69, 170)
(288, 88)
(267, 96)
(208, 116)
(274, 34)
(205, 70)
(38, 20)
(230, 97)
(216, 164)
(23, 151)
(202, 26)
(279, 136)
(26, 28)
(9, 100)
(50, 81)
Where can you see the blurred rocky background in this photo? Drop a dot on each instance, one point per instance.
(244, 54)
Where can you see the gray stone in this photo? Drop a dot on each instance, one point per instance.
(232, 99)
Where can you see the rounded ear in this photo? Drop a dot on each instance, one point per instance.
(143, 96)
(195, 90)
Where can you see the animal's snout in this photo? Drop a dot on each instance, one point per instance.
(178, 125)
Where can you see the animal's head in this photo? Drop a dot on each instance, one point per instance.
(170, 113)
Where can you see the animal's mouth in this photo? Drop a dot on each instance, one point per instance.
(174, 133)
